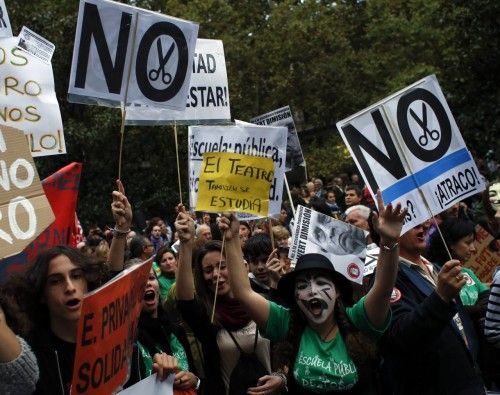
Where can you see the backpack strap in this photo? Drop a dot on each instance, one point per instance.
(254, 343)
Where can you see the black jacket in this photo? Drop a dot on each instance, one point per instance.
(423, 350)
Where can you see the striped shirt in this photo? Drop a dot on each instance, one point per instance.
(492, 324)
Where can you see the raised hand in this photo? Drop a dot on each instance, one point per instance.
(389, 221)
(121, 208)
(229, 226)
(275, 267)
(184, 225)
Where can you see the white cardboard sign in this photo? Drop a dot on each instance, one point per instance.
(283, 117)
(5, 27)
(28, 100)
(208, 95)
(113, 39)
(409, 146)
(264, 141)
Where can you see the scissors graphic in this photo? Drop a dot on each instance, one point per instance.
(154, 74)
(434, 134)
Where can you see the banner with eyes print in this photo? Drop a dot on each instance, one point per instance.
(343, 244)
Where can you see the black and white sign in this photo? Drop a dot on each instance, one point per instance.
(409, 146)
(123, 53)
(208, 95)
(343, 244)
(283, 117)
(35, 45)
(5, 27)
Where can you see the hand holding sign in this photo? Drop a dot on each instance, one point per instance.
(229, 226)
(121, 208)
(184, 225)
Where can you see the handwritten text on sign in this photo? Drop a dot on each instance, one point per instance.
(409, 146)
(106, 332)
(28, 100)
(233, 182)
(24, 210)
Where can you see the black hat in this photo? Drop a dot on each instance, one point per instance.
(286, 284)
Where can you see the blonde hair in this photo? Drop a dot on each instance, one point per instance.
(280, 232)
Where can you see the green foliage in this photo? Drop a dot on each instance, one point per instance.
(326, 59)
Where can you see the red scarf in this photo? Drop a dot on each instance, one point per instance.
(231, 314)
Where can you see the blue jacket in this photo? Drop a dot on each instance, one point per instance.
(424, 351)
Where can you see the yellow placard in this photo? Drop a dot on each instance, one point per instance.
(235, 182)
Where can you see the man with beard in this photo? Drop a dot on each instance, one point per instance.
(430, 347)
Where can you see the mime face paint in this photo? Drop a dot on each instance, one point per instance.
(315, 295)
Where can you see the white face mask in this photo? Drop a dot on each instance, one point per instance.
(494, 192)
(315, 295)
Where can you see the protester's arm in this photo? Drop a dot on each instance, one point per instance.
(122, 214)
(275, 267)
(256, 305)
(18, 366)
(416, 324)
(388, 223)
(492, 324)
(184, 225)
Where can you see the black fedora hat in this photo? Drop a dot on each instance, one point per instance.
(286, 285)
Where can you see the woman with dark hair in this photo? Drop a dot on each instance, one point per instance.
(460, 237)
(331, 341)
(232, 328)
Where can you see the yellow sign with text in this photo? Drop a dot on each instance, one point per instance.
(235, 182)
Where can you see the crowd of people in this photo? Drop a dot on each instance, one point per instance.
(226, 310)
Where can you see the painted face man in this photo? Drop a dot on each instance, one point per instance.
(315, 295)
(494, 194)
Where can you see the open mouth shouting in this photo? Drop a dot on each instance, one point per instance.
(73, 304)
(149, 297)
(316, 306)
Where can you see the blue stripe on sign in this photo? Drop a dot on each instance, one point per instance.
(425, 175)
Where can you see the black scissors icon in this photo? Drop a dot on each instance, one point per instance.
(434, 134)
(154, 74)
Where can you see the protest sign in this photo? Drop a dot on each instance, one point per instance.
(487, 256)
(36, 45)
(124, 53)
(5, 27)
(409, 146)
(283, 117)
(208, 98)
(372, 253)
(234, 182)
(28, 100)
(24, 210)
(343, 244)
(61, 190)
(152, 386)
(107, 330)
(262, 141)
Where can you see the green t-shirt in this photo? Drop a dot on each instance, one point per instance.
(472, 288)
(177, 352)
(164, 281)
(322, 366)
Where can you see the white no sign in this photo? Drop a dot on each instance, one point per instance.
(123, 53)
(409, 146)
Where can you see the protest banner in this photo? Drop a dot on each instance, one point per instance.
(208, 98)
(28, 100)
(409, 146)
(107, 330)
(235, 182)
(5, 27)
(343, 244)
(35, 45)
(152, 386)
(24, 209)
(262, 141)
(487, 256)
(127, 54)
